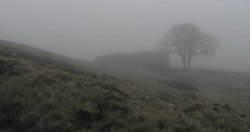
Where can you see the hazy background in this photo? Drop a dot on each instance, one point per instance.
(85, 29)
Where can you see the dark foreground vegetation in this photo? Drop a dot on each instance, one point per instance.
(39, 94)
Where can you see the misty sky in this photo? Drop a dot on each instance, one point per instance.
(85, 29)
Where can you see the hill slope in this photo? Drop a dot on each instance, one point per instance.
(42, 91)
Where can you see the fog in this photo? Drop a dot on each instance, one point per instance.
(85, 29)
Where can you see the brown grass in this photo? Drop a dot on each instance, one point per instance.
(57, 98)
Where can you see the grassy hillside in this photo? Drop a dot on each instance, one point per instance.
(42, 91)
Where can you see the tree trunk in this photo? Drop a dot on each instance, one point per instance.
(189, 63)
(183, 58)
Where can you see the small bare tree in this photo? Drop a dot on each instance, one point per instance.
(187, 40)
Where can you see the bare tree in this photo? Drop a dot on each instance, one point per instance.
(187, 40)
